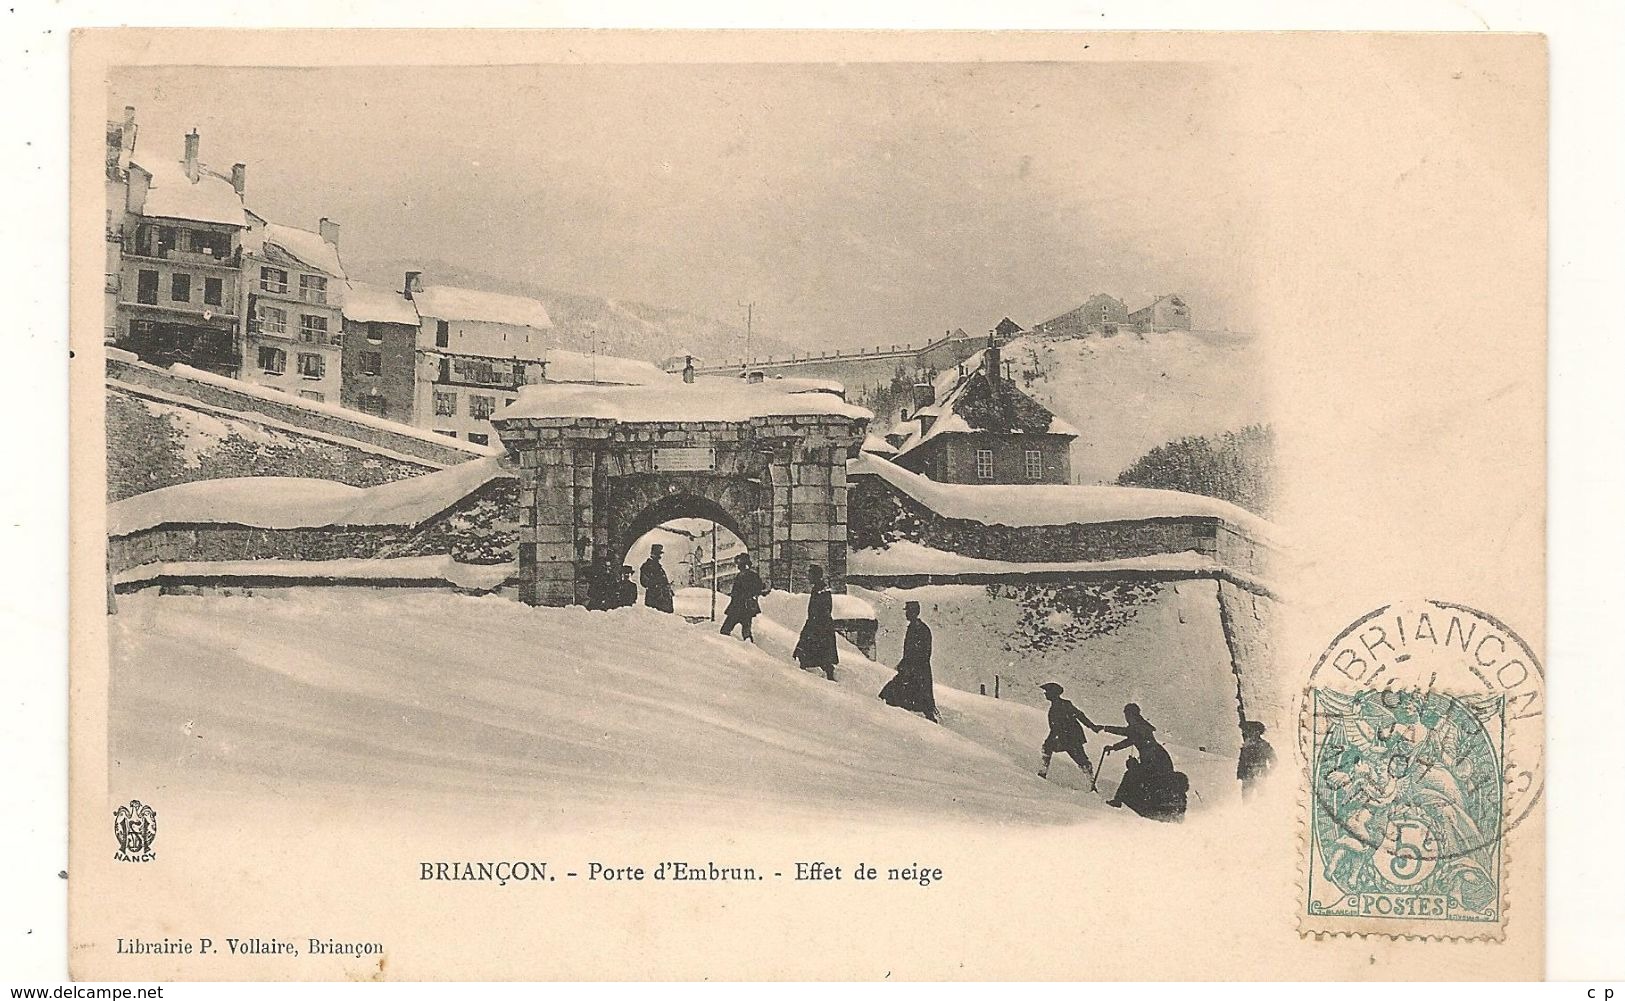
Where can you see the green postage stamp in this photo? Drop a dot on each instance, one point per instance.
(1406, 812)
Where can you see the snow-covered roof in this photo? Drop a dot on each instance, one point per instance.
(574, 366)
(304, 246)
(447, 302)
(173, 195)
(672, 400)
(366, 303)
(965, 403)
(296, 502)
(1024, 505)
(878, 445)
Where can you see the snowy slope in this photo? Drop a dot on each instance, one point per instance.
(452, 702)
(1130, 393)
(1167, 653)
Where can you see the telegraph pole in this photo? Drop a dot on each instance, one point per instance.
(750, 310)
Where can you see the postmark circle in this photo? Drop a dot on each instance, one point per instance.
(1399, 693)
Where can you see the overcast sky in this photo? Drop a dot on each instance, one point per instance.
(853, 203)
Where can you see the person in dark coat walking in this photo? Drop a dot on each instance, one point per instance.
(1150, 786)
(815, 648)
(911, 688)
(657, 592)
(1256, 759)
(601, 586)
(1066, 723)
(742, 599)
(625, 593)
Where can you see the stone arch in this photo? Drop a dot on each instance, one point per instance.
(680, 504)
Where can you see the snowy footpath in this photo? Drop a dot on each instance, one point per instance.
(452, 703)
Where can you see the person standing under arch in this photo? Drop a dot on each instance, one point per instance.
(815, 648)
(657, 592)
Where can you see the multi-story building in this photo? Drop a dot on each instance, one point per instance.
(1166, 312)
(380, 353)
(181, 248)
(120, 148)
(983, 429)
(475, 350)
(293, 300)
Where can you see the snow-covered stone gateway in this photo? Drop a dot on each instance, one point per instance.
(601, 465)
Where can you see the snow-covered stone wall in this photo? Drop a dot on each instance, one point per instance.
(879, 514)
(168, 426)
(480, 529)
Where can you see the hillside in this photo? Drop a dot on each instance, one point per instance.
(1130, 393)
(623, 327)
(464, 704)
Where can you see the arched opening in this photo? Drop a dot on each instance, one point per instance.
(699, 542)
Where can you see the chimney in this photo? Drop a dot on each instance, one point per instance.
(328, 228)
(412, 283)
(925, 394)
(239, 177)
(192, 140)
(688, 369)
(990, 363)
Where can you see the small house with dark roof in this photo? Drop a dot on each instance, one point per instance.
(983, 429)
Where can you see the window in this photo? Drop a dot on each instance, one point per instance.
(273, 280)
(984, 463)
(372, 403)
(312, 395)
(481, 407)
(445, 404)
(1035, 464)
(213, 291)
(146, 290)
(113, 283)
(448, 434)
(442, 333)
(312, 329)
(312, 366)
(375, 333)
(273, 361)
(372, 362)
(313, 288)
(479, 371)
(180, 287)
(479, 439)
(272, 320)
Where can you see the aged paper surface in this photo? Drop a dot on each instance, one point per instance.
(1246, 437)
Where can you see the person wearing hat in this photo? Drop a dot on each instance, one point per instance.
(1257, 757)
(815, 647)
(657, 592)
(742, 599)
(911, 688)
(601, 586)
(1150, 786)
(626, 592)
(1066, 723)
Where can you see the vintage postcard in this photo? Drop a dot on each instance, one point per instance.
(808, 506)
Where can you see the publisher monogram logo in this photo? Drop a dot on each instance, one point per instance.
(136, 827)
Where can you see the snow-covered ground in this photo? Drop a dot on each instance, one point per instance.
(453, 703)
(1130, 393)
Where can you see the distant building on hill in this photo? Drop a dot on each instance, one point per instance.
(983, 429)
(1102, 314)
(1166, 312)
